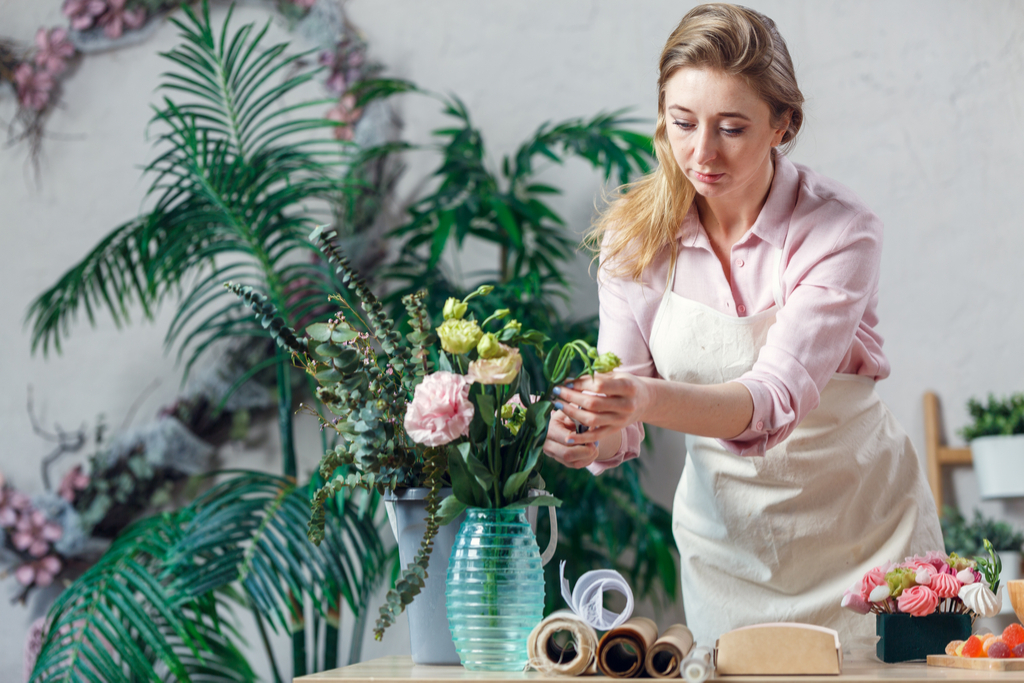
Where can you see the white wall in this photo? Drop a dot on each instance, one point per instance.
(917, 106)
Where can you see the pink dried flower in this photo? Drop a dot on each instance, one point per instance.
(34, 533)
(12, 504)
(74, 481)
(54, 50)
(440, 411)
(304, 4)
(41, 572)
(347, 113)
(33, 86)
(918, 601)
(116, 19)
(83, 13)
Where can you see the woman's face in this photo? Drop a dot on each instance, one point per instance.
(721, 134)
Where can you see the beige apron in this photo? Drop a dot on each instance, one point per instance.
(780, 537)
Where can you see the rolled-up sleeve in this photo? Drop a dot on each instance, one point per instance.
(621, 333)
(826, 290)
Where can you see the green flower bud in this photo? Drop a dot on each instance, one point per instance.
(453, 308)
(459, 336)
(606, 362)
(489, 346)
(514, 325)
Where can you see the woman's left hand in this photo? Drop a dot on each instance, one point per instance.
(604, 403)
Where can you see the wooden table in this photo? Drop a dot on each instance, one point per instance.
(400, 669)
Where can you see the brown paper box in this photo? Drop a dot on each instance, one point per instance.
(785, 649)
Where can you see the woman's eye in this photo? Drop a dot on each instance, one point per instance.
(733, 132)
(685, 125)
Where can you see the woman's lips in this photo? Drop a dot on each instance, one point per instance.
(707, 177)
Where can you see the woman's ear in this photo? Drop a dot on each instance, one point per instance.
(780, 130)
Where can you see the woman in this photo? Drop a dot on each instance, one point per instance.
(740, 290)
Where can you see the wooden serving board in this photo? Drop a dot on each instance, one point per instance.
(976, 663)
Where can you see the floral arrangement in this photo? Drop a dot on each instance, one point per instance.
(935, 583)
(470, 418)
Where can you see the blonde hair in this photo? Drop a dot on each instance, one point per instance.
(646, 215)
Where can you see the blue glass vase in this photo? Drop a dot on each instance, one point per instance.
(495, 593)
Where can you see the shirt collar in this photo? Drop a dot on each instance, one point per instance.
(772, 223)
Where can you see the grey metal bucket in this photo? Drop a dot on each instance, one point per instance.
(429, 636)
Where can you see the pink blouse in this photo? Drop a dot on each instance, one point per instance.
(831, 247)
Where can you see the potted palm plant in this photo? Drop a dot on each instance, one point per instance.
(239, 164)
(996, 437)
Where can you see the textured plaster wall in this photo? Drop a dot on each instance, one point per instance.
(917, 106)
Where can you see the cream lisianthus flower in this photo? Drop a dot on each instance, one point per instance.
(459, 336)
(497, 369)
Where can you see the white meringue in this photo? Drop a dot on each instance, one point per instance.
(879, 593)
(923, 577)
(966, 576)
(980, 599)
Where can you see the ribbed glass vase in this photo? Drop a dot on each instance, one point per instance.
(495, 593)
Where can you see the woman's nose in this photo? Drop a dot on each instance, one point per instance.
(705, 148)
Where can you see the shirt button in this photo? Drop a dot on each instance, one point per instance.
(739, 263)
(741, 309)
(759, 426)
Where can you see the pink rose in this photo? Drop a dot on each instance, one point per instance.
(945, 585)
(918, 601)
(440, 411)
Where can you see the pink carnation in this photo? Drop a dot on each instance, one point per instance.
(945, 585)
(918, 601)
(440, 411)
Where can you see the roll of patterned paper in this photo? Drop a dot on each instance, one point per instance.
(575, 658)
(665, 656)
(622, 651)
(697, 666)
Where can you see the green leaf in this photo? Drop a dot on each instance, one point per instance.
(483, 475)
(444, 228)
(485, 407)
(464, 485)
(451, 507)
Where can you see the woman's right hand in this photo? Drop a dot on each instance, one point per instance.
(562, 445)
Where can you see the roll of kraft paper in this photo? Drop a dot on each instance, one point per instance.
(576, 658)
(622, 651)
(665, 656)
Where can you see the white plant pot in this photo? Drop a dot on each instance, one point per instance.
(999, 465)
(1011, 572)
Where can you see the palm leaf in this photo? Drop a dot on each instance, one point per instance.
(252, 528)
(231, 185)
(156, 601)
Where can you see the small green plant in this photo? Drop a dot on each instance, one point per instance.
(968, 539)
(998, 417)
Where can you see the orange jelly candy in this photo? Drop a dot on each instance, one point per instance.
(987, 640)
(1013, 635)
(972, 648)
